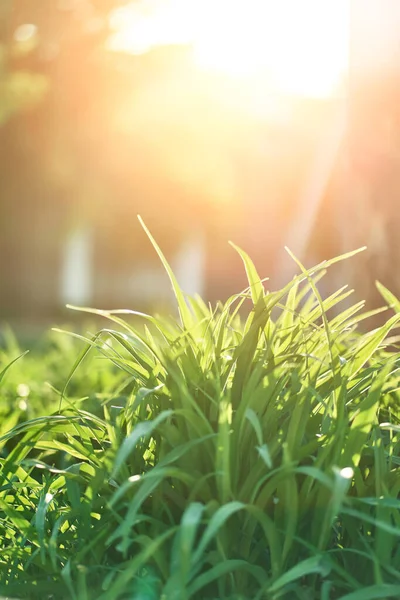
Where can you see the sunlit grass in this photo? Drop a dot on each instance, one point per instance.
(216, 456)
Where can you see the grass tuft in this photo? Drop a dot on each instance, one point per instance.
(214, 457)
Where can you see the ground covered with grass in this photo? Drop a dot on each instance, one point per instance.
(245, 451)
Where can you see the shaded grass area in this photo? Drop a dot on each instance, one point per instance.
(206, 457)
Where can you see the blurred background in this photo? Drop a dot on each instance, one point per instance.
(262, 122)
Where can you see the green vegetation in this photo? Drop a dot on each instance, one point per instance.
(215, 457)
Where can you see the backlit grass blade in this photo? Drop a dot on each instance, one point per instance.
(4, 371)
(319, 564)
(185, 314)
(323, 311)
(364, 420)
(374, 592)
(256, 287)
(223, 568)
(369, 344)
(216, 522)
(142, 430)
(131, 568)
(182, 549)
(223, 451)
(388, 296)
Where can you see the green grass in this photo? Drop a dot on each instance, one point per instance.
(245, 451)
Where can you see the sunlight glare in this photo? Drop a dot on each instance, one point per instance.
(300, 48)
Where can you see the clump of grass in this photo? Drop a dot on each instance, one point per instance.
(34, 378)
(251, 458)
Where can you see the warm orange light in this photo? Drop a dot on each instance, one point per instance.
(299, 47)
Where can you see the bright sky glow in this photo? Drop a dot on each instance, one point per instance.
(299, 47)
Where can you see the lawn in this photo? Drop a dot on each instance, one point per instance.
(244, 451)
